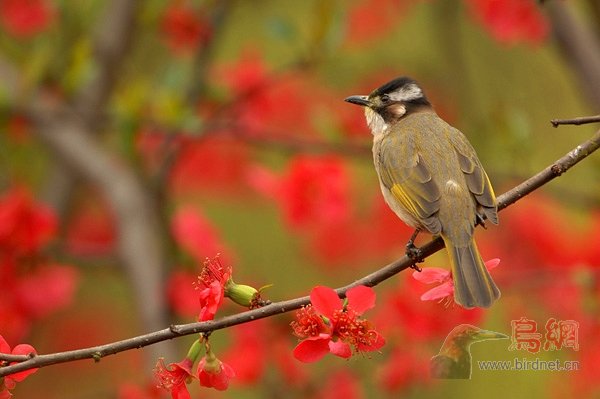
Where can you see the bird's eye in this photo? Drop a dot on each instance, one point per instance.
(385, 99)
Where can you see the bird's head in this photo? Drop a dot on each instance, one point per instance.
(465, 334)
(391, 102)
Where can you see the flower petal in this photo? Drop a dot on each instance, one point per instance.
(22, 349)
(311, 350)
(439, 292)
(325, 300)
(340, 348)
(429, 275)
(4, 346)
(361, 298)
(492, 263)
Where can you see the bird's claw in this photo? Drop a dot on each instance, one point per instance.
(415, 254)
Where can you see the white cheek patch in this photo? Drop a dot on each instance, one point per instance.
(407, 93)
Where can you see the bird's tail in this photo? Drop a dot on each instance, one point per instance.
(473, 285)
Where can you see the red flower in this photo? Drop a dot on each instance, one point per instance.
(46, 289)
(174, 377)
(341, 384)
(213, 373)
(511, 21)
(25, 18)
(445, 290)
(195, 234)
(10, 381)
(330, 326)
(369, 20)
(211, 283)
(185, 28)
(314, 190)
(25, 226)
(182, 293)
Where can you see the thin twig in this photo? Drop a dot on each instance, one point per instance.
(576, 121)
(510, 197)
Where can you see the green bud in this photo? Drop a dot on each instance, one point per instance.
(241, 294)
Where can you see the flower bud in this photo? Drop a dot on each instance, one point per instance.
(241, 294)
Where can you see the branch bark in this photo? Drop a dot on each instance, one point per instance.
(510, 197)
(580, 46)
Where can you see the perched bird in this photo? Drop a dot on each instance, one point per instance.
(431, 178)
(454, 358)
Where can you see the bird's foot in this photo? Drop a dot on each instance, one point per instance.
(415, 254)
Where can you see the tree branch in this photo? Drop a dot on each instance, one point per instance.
(576, 121)
(97, 352)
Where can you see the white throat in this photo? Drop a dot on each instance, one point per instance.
(375, 122)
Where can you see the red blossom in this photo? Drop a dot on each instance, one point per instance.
(404, 313)
(249, 351)
(371, 19)
(25, 18)
(313, 190)
(46, 289)
(211, 285)
(182, 293)
(25, 226)
(511, 21)
(185, 29)
(445, 290)
(266, 104)
(403, 369)
(341, 384)
(9, 382)
(91, 230)
(194, 233)
(217, 164)
(343, 327)
(213, 373)
(174, 377)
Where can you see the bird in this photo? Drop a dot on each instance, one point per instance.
(432, 179)
(454, 357)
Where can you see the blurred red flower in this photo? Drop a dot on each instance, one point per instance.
(25, 226)
(91, 229)
(31, 287)
(216, 163)
(403, 369)
(370, 19)
(511, 21)
(405, 314)
(270, 105)
(182, 293)
(315, 190)
(25, 18)
(196, 235)
(185, 28)
(343, 328)
(341, 384)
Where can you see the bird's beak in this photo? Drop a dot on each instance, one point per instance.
(359, 100)
(483, 335)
